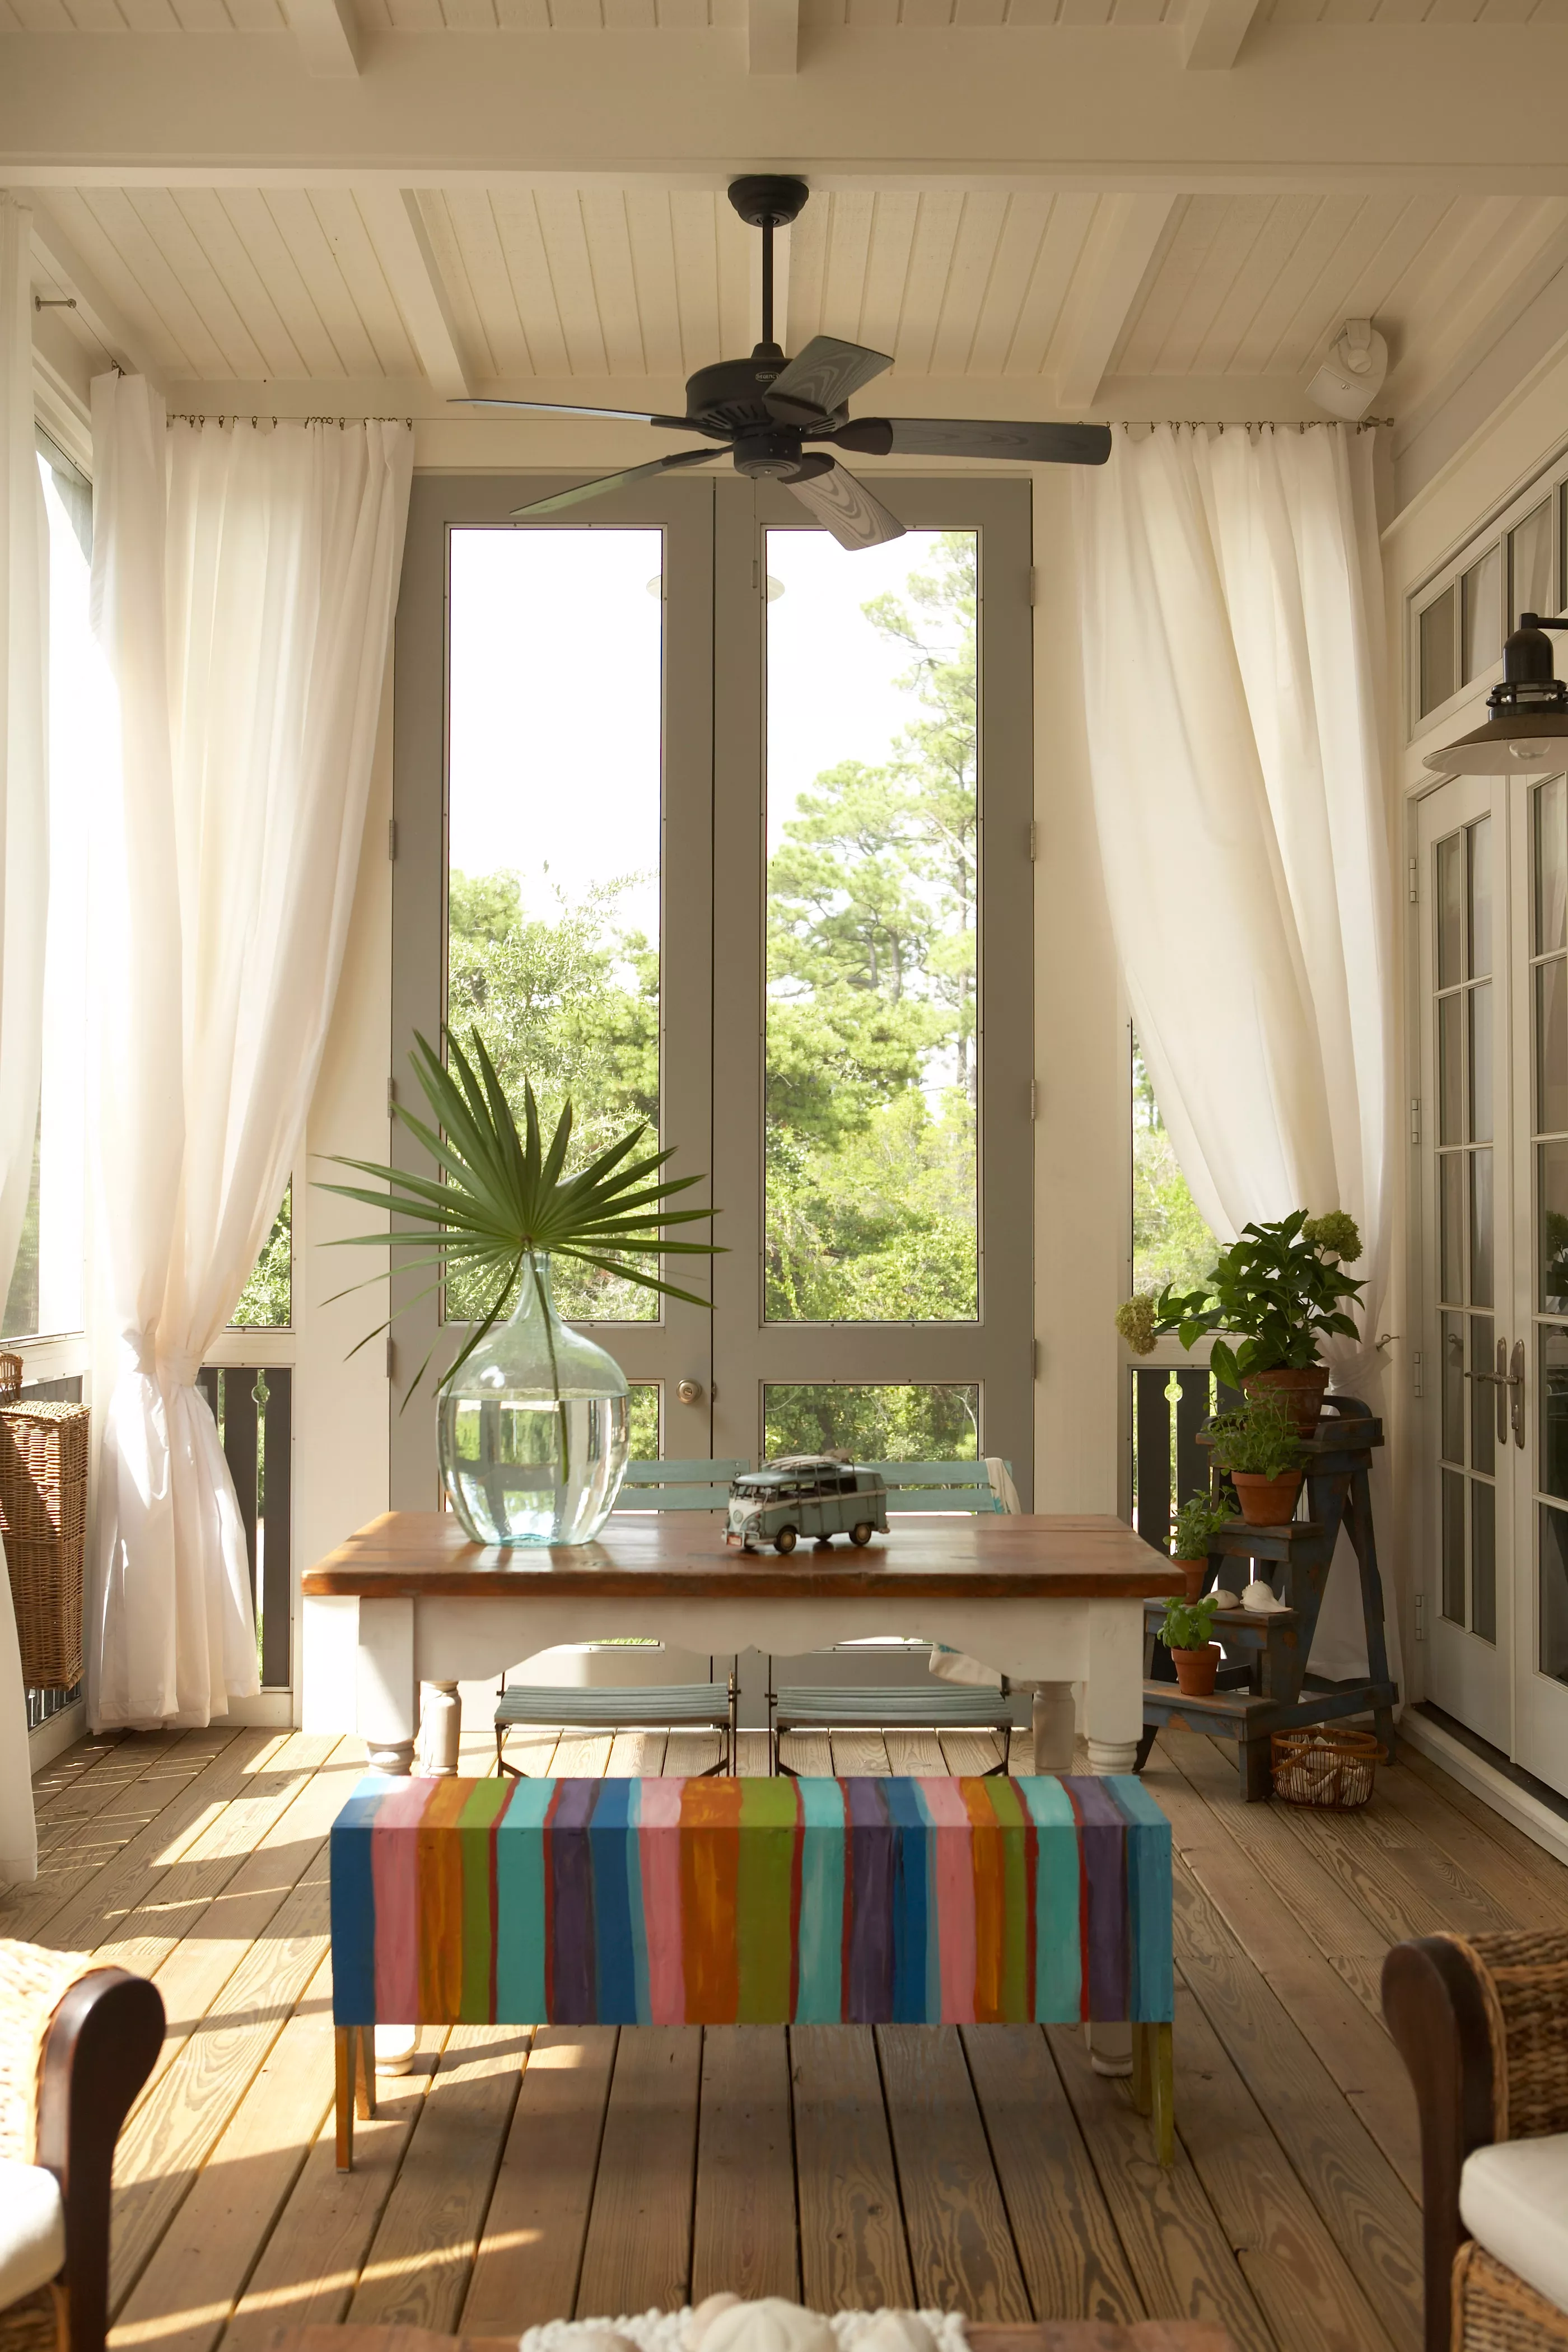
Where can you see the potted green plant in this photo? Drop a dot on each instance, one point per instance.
(1184, 1630)
(1280, 1288)
(1261, 1449)
(1200, 1517)
(532, 1422)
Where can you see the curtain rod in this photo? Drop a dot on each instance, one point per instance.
(189, 417)
(1251, 424)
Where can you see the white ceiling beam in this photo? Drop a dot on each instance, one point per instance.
(95, 306)
(403, 249)
(772, 36)
(1117, 252)
(327, 36)
(1213, 31)
(1331, 108)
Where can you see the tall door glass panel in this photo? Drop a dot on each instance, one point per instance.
(1463, 865)
(554, 679)
(890, 1096)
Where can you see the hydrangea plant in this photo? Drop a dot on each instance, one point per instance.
(1279, 1287)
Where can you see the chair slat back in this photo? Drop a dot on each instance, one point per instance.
(938, 1485)
(701, 1486)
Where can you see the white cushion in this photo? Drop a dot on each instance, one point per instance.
(32, 2229)
(1513, 2199)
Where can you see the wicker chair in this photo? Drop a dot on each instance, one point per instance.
(1482, 2026)
(76, 2042)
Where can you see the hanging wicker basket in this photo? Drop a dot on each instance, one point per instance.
(1330, 1768)
(43, 1519)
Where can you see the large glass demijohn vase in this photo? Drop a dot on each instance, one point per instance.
(534, 1427)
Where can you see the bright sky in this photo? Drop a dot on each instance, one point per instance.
(555, 694)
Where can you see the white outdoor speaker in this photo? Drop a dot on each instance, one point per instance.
(1350, 378)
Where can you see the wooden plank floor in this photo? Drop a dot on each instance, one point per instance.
(988, 2169)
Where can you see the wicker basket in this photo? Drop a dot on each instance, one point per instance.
(1330, 1768)
(43, 1519)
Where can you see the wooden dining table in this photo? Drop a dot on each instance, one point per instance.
(1050, 1600)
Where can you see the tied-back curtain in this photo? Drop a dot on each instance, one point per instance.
(244, 580)
(1232, 649)
(24, 894)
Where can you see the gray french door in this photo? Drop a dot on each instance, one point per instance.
(695, 838)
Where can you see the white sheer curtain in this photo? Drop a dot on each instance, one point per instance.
(1232, 667)
(24, 894)
(245, 579)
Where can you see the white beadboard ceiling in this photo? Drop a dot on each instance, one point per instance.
(643, 283)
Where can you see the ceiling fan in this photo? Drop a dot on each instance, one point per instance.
(765, 409)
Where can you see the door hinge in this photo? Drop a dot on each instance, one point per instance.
(1036, 1358)
(1415, 1372)
(1421, 1616)
(392, 836)
(1414, 1118)
(1413, 870)
(390, 1356)
(391, 1096)
(1034, 1098)
(1034, 845)
(756, 582)
(1034, 584)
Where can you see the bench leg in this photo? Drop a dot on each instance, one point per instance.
(1051, 1722)
(365, 2074)
(1162, 2090)
(345, 2041)
(1142, 2076)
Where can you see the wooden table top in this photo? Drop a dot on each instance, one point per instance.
(682, 1554)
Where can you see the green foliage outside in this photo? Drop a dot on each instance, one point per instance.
(872, 1425)
(267, 1302)
(871, 1077)
(1170, 1242)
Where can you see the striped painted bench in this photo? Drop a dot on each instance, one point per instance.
(764, 1901)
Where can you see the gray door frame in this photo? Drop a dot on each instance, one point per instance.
(995, 1353)
(712, 942)
(679, 1345)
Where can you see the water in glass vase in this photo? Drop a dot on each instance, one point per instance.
(534, 1428)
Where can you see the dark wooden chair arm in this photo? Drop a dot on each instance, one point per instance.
(1437, 2013)
(102, 2042)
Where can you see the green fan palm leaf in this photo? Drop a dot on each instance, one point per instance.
(500, 1199)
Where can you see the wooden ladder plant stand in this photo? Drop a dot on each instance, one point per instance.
(1264, 1686)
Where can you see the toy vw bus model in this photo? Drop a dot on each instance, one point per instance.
(805, 1495)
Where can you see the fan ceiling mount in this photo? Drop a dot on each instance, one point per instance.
(763, 412)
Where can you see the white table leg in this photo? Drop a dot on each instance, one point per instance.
(387, 1692)
(441, 1730)
(1053, 1726)
(1115, 1696)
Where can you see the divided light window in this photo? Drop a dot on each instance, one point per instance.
(1460, 626)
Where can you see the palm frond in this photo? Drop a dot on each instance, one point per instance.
(500, 1196)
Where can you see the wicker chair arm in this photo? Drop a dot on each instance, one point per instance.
(1436, 2004)
(1524, 1976)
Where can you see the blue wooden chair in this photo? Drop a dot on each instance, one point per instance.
(661, 1706)
(943, 1706)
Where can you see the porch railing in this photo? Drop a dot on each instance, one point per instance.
(1169, 1405)
(253, 1407)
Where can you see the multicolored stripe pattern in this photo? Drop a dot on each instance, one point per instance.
(720, 1902)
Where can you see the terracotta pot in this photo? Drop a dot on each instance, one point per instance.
(1300, 1390)
(1194, 1571)
(1196, 1670)
(1267, 1502)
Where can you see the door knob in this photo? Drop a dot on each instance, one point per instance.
(689, 1391)
(1516, 1392)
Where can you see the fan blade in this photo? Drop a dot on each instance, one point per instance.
(558, 408)
(617, 482)
(955, 436)
(819, 380)
(840, 501)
